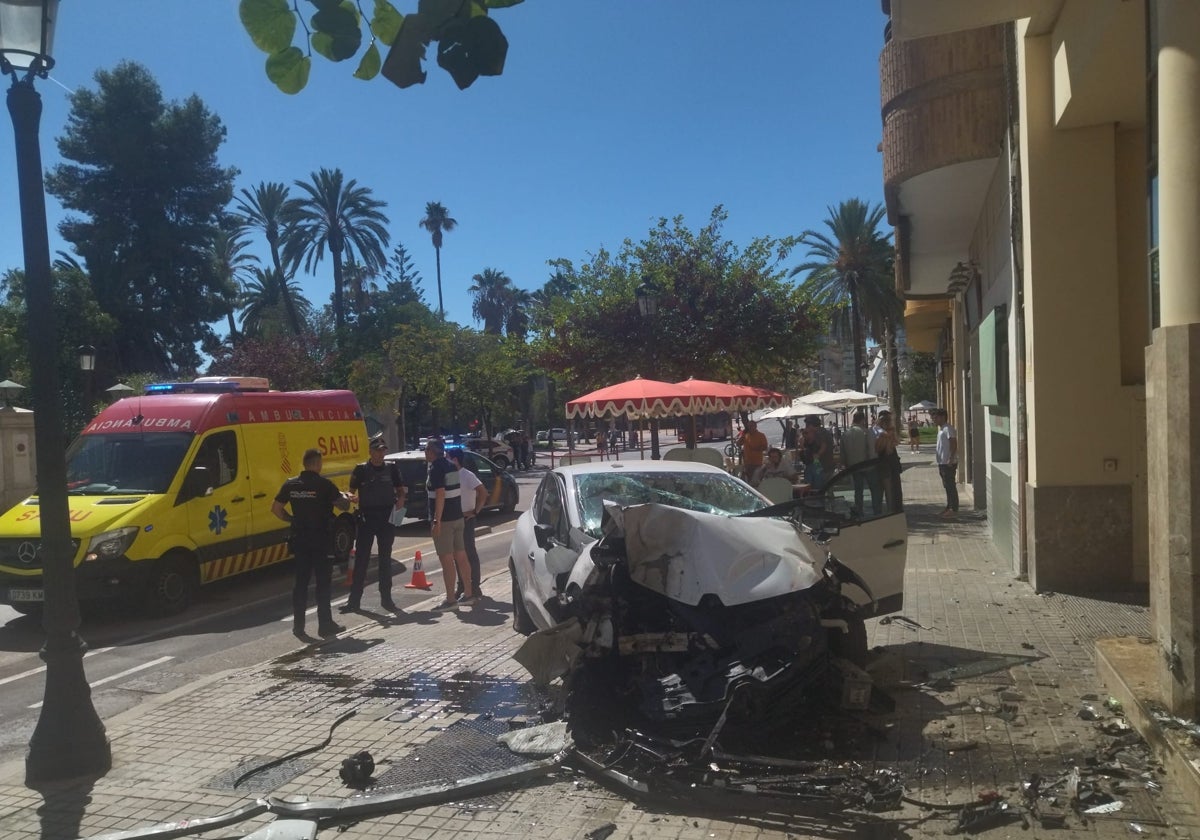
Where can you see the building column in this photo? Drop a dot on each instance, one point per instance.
(1173, 364)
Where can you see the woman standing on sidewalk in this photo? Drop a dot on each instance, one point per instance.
(887, 444)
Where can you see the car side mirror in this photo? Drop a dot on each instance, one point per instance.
(544, 536)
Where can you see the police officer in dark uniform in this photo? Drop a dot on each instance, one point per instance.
(312, 498)
(380, 491)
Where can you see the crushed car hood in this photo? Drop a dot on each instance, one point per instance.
(686, 555)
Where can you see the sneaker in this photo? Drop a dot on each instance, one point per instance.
(298, 630)
(468, 601)
(349, 607)
(388, 604)
(447, 606)
(331, 629)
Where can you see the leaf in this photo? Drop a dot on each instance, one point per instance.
(439, 12)
(289, 69)
(338, 34)
(472, 49)
(386, 22)
(402, 67)
(368, 68)
(478, 9)
(326, 4)
(501, 4)
(269, 23)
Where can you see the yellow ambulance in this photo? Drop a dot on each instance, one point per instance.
(173, 489)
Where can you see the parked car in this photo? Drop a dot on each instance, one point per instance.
(687, 582)
(497, 450)
(503, 493)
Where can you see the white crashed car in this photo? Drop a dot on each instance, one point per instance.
(696, 583)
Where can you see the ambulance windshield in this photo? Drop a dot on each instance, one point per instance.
(99, 465)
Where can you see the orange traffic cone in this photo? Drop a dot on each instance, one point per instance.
(418, 576)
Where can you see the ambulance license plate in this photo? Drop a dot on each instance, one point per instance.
(25, 596)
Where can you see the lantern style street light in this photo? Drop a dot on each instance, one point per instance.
(452, 383)
(69, 739)
(648, 294)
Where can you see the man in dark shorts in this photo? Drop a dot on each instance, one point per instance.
(447, 526)
(312, 498)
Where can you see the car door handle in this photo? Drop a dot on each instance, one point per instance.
(893, 543)
(238, 499)
(260, 495)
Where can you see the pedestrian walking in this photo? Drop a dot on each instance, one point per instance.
(445, 491)
(380, 492)
(312, 498)
(474, 497)
(914, 434)
(946, 453)
(601, 443)
(527, 456)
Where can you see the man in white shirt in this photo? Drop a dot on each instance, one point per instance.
(858, 445)
(472, 491)
(947, 461)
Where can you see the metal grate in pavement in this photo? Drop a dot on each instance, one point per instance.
(262, 782)
(465, 748)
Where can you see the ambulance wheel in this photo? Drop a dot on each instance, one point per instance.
(522, 623)
(172, 585)
(343, 539)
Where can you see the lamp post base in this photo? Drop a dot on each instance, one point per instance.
(69, 740)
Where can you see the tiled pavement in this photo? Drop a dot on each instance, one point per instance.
(984, 639)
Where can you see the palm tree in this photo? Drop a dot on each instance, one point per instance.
(437, 220)
(489, 290)
(517, 305)
(850, 266)
(231, 263)
(263, 209)
(341, 216)
(264, 312)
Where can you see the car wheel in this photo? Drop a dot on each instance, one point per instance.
(501, 461)
(522, 623)
(851, 645)
(172, 585)
(510, 502)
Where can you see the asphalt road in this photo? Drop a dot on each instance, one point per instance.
(236, 622)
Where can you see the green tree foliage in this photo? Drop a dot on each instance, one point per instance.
(403, 275)
(141, 178)
(849, 269)
(80, 321)
(262, 210)
(291, 363)
(470, 44)
(919, 381)
(267, 302)
(725, 313)
(437, 221)
(341, 216)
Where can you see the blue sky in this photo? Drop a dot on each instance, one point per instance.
(608, 116)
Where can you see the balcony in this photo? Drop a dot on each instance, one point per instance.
(944, 117)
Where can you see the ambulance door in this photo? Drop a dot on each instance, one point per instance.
(216, 496)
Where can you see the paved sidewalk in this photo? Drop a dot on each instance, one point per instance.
(987, 696)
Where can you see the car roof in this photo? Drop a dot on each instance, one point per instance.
(638, 466)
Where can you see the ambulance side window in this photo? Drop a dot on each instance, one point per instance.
(219, 454)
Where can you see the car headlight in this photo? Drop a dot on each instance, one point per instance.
(110, 544)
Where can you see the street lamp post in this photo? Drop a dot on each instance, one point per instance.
(69, 739)
(452, 384)
(87, 364)
(647, 297)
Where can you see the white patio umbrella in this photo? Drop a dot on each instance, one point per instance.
(796, 409)
(845, 398)
(923, 405)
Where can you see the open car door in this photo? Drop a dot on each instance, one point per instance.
(873, 538)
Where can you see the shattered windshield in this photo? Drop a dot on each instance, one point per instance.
(99, 465)
(705, 492)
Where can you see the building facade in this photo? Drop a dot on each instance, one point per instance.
(1042, 174)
